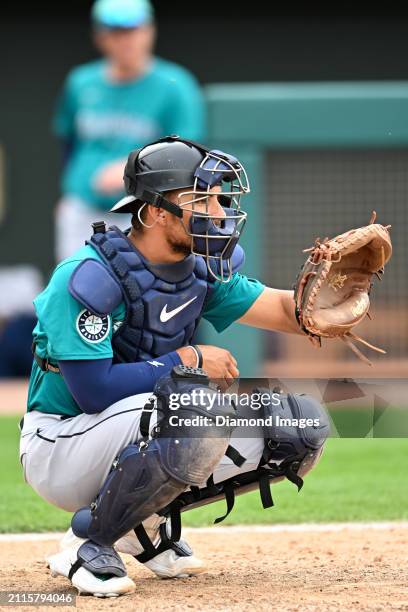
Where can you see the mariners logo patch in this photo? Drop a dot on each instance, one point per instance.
(92, 328)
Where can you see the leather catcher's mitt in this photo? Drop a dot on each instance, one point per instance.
(333, 287)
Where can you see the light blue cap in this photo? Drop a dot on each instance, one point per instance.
(121, 13)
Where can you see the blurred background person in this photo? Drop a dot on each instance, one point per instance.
(320, 128)
(19, 284)
(110, 106)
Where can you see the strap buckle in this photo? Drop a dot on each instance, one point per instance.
(43, 362)
(51, 368)
(146, 415)
(99, 227)
(150, 404)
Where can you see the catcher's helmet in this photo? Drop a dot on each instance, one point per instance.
(172, 163)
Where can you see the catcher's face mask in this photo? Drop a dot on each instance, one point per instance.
(172, 164)
(215, 237)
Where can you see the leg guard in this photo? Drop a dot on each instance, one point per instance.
(148, 477)
(297, 429)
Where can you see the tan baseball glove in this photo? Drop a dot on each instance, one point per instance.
(332, 290)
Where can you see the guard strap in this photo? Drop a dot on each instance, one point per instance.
(293, 477)
(196, 493)
(75, 567)
(144, 424)
(43, 362)
(150, 550)
(166, 543)
(212, 489)
(265, 491)
(235, 456)
(156, 200)
(262, 477)
(230, 500)
(175, 521)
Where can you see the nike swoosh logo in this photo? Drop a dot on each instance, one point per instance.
(167, 315)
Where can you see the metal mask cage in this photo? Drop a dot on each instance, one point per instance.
(222, 233)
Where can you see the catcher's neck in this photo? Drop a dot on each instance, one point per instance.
(156, 248)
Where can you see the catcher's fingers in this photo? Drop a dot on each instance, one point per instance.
(234, 361)
(233, 371)
(224, 384)
(229, 376)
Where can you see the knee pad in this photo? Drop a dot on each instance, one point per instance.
(147, 477)
(296, 428)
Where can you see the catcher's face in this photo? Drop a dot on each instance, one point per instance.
(176, 232)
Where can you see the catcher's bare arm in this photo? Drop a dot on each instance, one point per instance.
(273, 310)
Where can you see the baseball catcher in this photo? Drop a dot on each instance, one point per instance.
(113, 349)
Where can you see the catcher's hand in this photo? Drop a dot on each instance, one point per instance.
(333, 287)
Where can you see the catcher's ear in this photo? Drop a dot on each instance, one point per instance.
(161, 216)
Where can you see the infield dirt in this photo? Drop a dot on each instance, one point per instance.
(353, 569)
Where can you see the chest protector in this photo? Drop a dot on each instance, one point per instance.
(163, 302)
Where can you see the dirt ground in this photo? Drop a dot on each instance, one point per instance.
(13, 396)
(364, 569)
